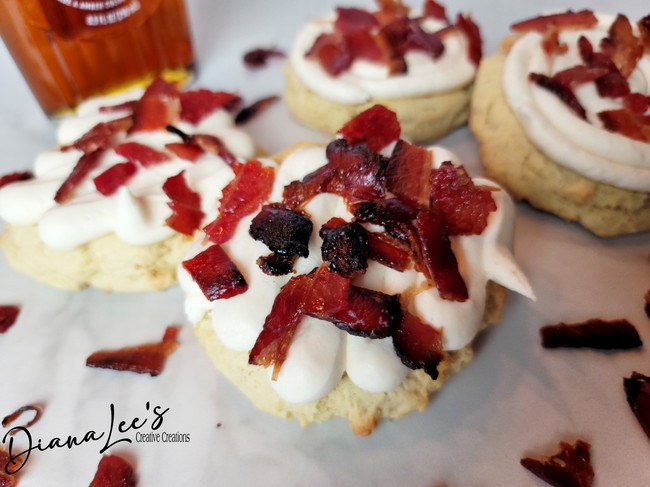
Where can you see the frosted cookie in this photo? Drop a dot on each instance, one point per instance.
(419, 64)
(561, 115)
(116, 203)
(347, 292)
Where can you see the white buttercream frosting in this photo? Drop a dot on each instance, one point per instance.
(581, 145)
(321, 353)
(366, 80)
(136, 213)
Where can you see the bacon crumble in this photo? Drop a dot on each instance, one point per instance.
(570, 467)
(113, 471)
(637, 392)
(8, 316)
(15, 177)
(593, 333)
(259, 57)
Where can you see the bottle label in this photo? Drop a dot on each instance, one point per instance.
(103, 12)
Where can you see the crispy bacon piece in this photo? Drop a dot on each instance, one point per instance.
(637, 392)
(345, 247)
(213, 145)
(115, 176)
(626, 48)
(561, 91)
(113, 471)
(185, 150)
(127, 105)
(242, 196)
(644, 32)
(594, 333)
(321, 291)
(15, 177)
(148, 358)
(375, 127)
(570, 467)
(282, 229)
(198, 104)
(216, 275)
(246, 113)
(473, 34)
(577, 75)
(141, 154)
(636, 103)
(407, 173)
(8, 316)
(612, 84)
(417, 38)
(331, 52)
(354, 19)
(101, 135)
(84, 166)
(258, 57)
(159, 106)
(276, 264)
(583, 19)
(435, 10)
(627, 123)
(465, 206)
(388, 251)
(10, 418)
(185, 204)
(551, 42)
(418, 344)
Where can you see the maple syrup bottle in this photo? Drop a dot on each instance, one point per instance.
(69, 50)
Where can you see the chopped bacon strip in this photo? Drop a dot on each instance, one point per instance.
(354, 19)
(246, 113)
(435, 10)
(418, 344)
(198, 104)
(185, 204)
(101, 135)
(407, 173)
(115, 176)
(10, 418)
(644, 31)
(465, 207)
(388, 251)
(627, 123)
(594, 333)
(627, 48)
(637, 392)
(321, 291)
(213, 145)
(84, 166)
(345, 247)
(561, 91)
(571, 466)
(551, 42)
(148, 358)
(257, 58)
(583, 19)
(375, 127)
(113, 471)
(8, 316)
(636, 103)
(331, 52)
(185, 150)
(141, 154)
(613, 84)
(15, 177)
(127, 105)
(242, 196)
(216, 275)
(282, 229)
(473, 34)
(159, 106)
(578, 75)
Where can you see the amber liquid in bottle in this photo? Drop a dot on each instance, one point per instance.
(69, 50)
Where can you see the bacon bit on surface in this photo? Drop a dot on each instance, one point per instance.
(216, 275)
(185, 150)
(185, 204)
(242, 196)
(113, 471)
(435, 10)
(570, 467)
(101, 135)
(578, 75)
(10, 418)
(626, 48)
(115, 176)
(389, 251)
(637, 392)
(15, 177)
(246, 113)
(561, 91)
(127, 105)
(418, 344)
(594, 333)
(141, 154)
(259, 57)
(345, 247)
(583, 19)
(644, 31)
(473, 35)
(148, 358)
(198, 104)
(627, 123)
(213, 145)
(8, 469)
(8, 316)
(159, 106)
(375, 127)
(354, 19)
(84, 166)
(551, 42)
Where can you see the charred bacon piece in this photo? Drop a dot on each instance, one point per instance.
(198, 104)
(594, 333)
(15, 177)
(570, 467)
(8, 316)
(148, 358)
(113, 471)
(282, 229)
(320, 291)
(141, 154)
(259, 57)
(418, 344)
(563, 92)
(115, 176)
(242, 196)
(84, 166)
(566, 20)
(345, 247)
(637, 392)
(375, 127)
(10, 418)
(216, 275)
(276, 264)
(246, 113)
(185, 204)
(407, 173)
(159, 106)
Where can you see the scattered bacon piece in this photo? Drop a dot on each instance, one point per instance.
(473, 34)
(418, 344)
(375, 127)
(561, 91)
(246, 113)
(627, 123)
(127, 105)
(185, 150)
(331, 52)
(198, 104)
(578, 75)
(141, 154)
(159, 106)
(10, 418)
(8, 316)
(435, 10)
(551, 42)
(113, 471)
(612, 84)
(637, 392)
(213, 145)
(148, 358)
(257, 58)
(15, 177)
(636, 103)
(345, 247)
(185, 204)
(388, 250)
(354, 19)
(216, 275)
(583, 19)
(115, 176)
(84, 166)
(570, 467)
(627, 48)
(8, 469)
(594, 333)
(644, 31)
(101, 135)
(242, 196)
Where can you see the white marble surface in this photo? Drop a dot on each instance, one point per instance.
(514, 399)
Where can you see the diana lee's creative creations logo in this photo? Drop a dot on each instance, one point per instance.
(147, 428)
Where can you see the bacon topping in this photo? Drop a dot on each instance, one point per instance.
(563, 92)
(198, 104)
(626, 49)
(637, 392)
(84, 166)
(113, 471)
(258, 57)
(216, 275)
(388, 250)
(375, 127)
(115, 176)
(15, 177)
(101, 135)
(583, 19)
(473, 34)
(148, 358)
(185, 150)
(159, 106)
(569, 467)
(594, 333)
(418, 344)
(345, 247)
(242, 196)
(8, 316)
(246, 113)
(140, 154)
(407, 173)
(185, 204)
(627, 123)
(10, 418)
(435, 10)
